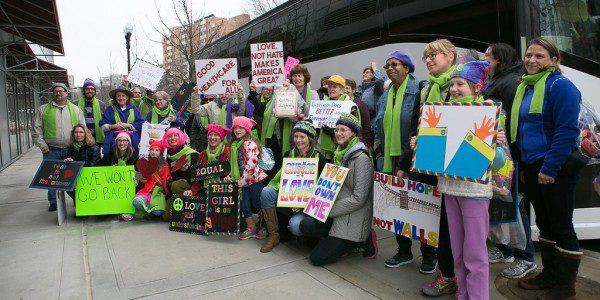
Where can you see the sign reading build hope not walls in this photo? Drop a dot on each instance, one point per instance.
(105, 191)
(267, 63)
(217, 76)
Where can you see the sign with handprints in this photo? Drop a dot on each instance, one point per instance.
(457, 140)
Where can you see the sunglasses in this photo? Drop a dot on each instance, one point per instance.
(392, 65)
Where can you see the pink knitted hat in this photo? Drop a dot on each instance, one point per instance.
(243, 122)
(171, 131)
(123, 134)
(219, 130)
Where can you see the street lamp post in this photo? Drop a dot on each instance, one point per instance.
(127, 31)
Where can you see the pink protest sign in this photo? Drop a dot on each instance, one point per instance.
(290, 62)
(326, 191)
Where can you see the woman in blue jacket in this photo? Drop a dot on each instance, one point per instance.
(121, 115)
(544, 127)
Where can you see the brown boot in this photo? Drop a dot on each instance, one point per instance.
(547, 278)
(270, 216)
(568, 264)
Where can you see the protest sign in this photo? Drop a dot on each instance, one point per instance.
(181, 99)
(188, 214)
(298, 177)
(223, 207)
(457, 140)
(267, 63)
(210, 170)
(408, 208)
(290, 63)
(285, 104)
(326, 191)
(328, 112)
(150, 132)
(145, 74)
(56, 175)
(217, 76)
(105, 191)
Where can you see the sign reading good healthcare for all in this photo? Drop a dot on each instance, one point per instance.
(298, 176)
(408, 208)
(145, 74)
(267, 63)
(328, 112)
(326, 191)
(217, 76)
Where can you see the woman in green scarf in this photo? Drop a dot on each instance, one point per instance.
(122, 153)
(162, 112)
(439, 56)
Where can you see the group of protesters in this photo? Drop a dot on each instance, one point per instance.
(540, 133)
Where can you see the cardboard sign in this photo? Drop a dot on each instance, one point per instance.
(181, 99)
(285, 104)
(145, 74)
(223, 207)
(298, 177)
(217, 76)
(56, 175)
(328, 112)
(267, 63)
(213, 170)
(105, 191)
(188, 214)
(407, 208)
(326, 191)
(150, 132)
(457, 140)
(290, 63)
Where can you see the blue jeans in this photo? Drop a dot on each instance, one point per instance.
(529, 251)
(268, 197)
(57, 154)
(251, 199)
(294, 223)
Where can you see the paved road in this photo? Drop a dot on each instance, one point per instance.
(103, 258)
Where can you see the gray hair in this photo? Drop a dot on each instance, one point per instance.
(162, 94)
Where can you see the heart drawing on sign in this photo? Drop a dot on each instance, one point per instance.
(180, 163)
(68, 174)
(147, 166)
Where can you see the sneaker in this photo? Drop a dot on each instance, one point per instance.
(519, 269)
(261, 234)
(428, 265)
(496, 256)
(440, 286)
(399, 259)
(248, 233)
(126, 217)
(370, 246)
(52, 207)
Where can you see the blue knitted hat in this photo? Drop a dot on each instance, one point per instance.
(306, 127)
(349, 121)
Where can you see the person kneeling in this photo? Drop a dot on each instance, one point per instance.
(151, 198)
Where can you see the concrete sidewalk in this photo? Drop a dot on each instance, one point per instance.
(103, 258)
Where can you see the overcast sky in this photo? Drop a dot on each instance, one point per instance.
(93, 38)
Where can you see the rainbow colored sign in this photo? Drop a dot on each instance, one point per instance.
(298, 177)
(326, 191)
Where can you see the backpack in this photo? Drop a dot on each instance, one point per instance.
(266, 161)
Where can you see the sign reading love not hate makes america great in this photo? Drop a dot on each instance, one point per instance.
(217, 76)
(105, 191)
(298, 177)
(267, 63)
(326, 191)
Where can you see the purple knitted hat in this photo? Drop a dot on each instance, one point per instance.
(402, 57)
(88, 82)
(473, 71)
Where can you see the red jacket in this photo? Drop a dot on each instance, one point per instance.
(161, 176)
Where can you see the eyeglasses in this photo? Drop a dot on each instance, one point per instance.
(122, 141)
(62, 92)
(392, 65)
(431, 56)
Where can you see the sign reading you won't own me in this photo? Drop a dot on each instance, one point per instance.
(326, 191)
(217, 76)
(105, 191)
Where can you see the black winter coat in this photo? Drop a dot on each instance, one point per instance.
(503, 86)
(90, 155)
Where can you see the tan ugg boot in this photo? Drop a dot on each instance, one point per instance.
(270, 216)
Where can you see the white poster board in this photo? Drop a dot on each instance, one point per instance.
(267, 64)
(326, 191)
(285, 104)
(150, 132)
(328, 112)
(407, 208)
(217, 76)
(145, 74)
(457, 140)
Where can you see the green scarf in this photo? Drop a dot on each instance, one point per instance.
(121, 162)
(437, 82)
(49, 119)
(130, 118)
(338, 154)
(467, 99)
(235, 168)
(162, 113)
(144, 104)
(537, 101)
(76, 146)
(223, 115)
(268, 124)
(325, 141)
(262, 99)
(214, 157)
(99, 133)
(184, 151)
(391, 125)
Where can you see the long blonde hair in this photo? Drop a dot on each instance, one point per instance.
(89, 139)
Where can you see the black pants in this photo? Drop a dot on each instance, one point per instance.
(329, 249)
(553, 205)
